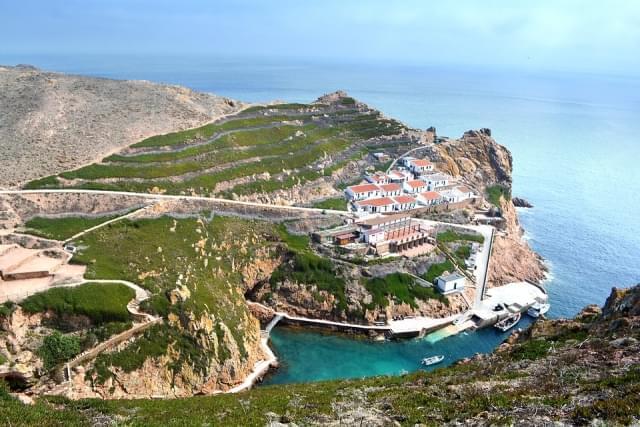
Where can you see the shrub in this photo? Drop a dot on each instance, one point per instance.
(99, 302)
(497, 192)
(57, 348)
(436, 270)
(400, 286)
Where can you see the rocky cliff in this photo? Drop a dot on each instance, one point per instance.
(581, 371)
(51, 122)
(483, 163)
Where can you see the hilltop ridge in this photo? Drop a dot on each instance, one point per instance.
(51, 122)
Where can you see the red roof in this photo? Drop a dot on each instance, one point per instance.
(381, 201)
(431, 195)
(363, 188)
(404, 199)
(416, 183)
(420, 162)
(391, 187)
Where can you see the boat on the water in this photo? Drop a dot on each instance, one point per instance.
(538, 309)
(427, 361)
(509, 322)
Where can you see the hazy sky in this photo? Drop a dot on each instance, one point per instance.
(584, 35)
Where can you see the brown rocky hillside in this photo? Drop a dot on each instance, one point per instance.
(51, 122)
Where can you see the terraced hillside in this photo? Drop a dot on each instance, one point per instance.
(259, 150)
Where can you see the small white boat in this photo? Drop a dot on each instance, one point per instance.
(538, 309)
(427, 361)
(507, 323)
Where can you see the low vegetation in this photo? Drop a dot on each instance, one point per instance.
(100, 302)
(300, 143)
(402, 288)
(337, 204)
(57, 348)
(497, 192)
(438, 269)
(453, 236)
(62, 228)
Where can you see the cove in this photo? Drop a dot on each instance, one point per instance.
(313, 355)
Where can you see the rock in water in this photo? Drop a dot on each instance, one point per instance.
(521, 203)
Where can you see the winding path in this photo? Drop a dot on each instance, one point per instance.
(178, 197)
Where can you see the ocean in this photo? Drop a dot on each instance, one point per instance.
(575, 140)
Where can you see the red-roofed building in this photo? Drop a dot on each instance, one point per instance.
(362, 191)
(405, 203)
(419, 166)
(399, 176)
(378, 178)
(430, 198)
(388, 190)
(377, 205)
(414, 186)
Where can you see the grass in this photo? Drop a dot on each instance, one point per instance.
(208, 256)
(438, 269)
(453, 236)
(496, 193)
(62, 228)
(269, 150)
(337, 204)
(309, 269)
(402, 288)
(100, 302)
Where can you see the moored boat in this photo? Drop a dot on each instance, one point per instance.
(538, 309)
(509, 322)
(432, 360)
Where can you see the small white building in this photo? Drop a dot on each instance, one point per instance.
(420, 166)
(390, 190)
(405, 203)
(430, 198)
(436, 180)
(399, 176)
(451, 283)
(362, 191)
(376, 205)
(406, 160)
(456, 194)
(414, 186)
(378, 178)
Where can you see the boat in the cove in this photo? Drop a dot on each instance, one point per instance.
(509, 322)
(538, 309)
(427, 361)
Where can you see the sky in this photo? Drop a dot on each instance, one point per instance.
(581, 35)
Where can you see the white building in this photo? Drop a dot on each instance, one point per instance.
(378, 178)
(456, 194)
(398, 176)
(406, 160)
(405, 203)
(362, 191)
(376, 205)
(390, 190)
(414, 186)
(436, 180)
(451, 283)
(430, 198)
(419, 166)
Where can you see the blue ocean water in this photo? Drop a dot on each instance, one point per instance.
(574, 139)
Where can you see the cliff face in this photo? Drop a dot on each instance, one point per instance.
(51, 122)
(582, 371)
(483, 163)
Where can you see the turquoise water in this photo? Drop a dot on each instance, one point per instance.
(575, 143)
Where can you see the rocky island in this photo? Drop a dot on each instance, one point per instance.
(146, 265)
